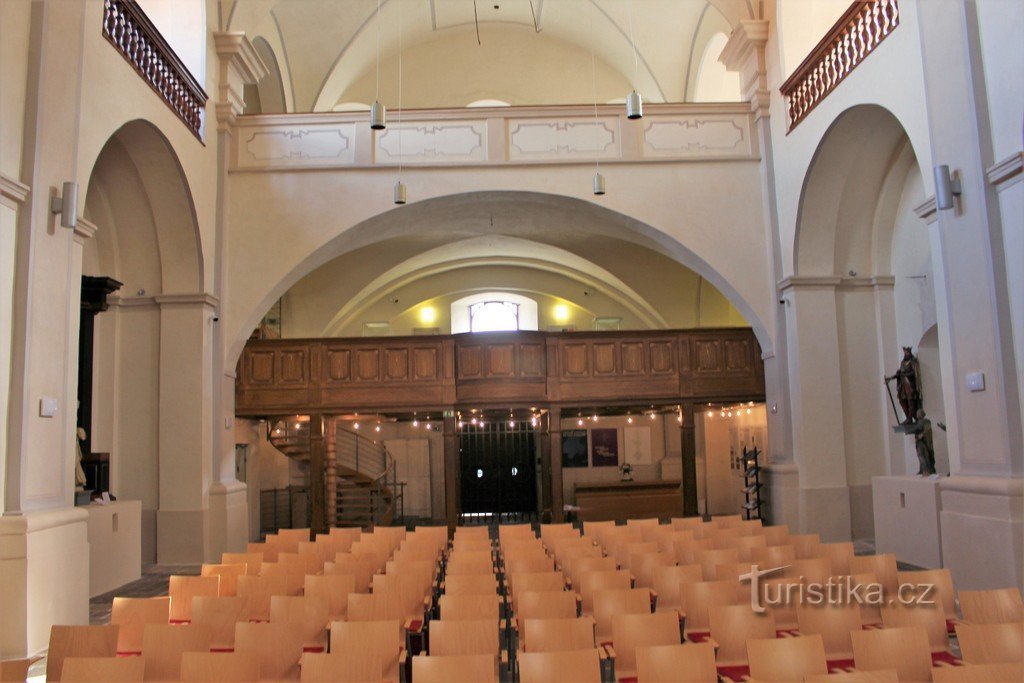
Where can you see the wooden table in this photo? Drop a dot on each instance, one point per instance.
(628, 500)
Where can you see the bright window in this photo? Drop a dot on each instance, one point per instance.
(494, 316)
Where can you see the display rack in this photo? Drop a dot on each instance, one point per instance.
(751, 483)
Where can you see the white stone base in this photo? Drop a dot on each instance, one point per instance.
(115, 545)
(907, 519)
(826, 511)
(44, 577)
(983, 531)
(782, 495)
(229, 519)
(862, 521)
(181, 536)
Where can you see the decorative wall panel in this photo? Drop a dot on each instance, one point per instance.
(562, 139)
(697, 136)
(302, 146)
(433, 142)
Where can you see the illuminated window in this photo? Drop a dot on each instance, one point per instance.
(493, 316)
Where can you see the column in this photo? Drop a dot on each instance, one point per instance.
(330, 473)
(317, 481)
(554, 434)
(451, 470)
(688, 452)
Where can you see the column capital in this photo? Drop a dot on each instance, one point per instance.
(84, 229)
(240, 65)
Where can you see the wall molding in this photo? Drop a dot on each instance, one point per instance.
(201, 298)
(927, 210)
(1009, 169)
(809, 282)
(84, 229)
(13, 192)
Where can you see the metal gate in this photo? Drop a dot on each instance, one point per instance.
(498, 470)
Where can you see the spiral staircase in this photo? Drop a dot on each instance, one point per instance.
(360, 478)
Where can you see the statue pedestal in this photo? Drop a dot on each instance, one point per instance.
(115, 544)
(907, 519)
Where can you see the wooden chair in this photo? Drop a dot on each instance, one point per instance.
(709, 559)
(132, 614)
(732, 572)
(781, 597)
(252, 561)
(472, 532)
(549, 532)
(182, 589)
(626, 551)
(293, 574)
(630, 631)
(219, 667)
(557, 635)
(471, 637)
(467, 566)
(999, 606)
(266, 551)
(103, 670)
(434, 669)
(220, 615)
(694, 524)
(643, 566)
(991, 643)
(592, 583)
(533, 582)
(377, 640)
(775, 535)
(259, 590)
(545, 605)
(903, 649)
(880, 676)
(978, 673)
(78, 641)
(409, 591)
(370, 607)
(773, 556)
(929, 617)
(935, 585)
(814, 570)
(276, 646)
(667, 540)
(806, 546)
(507, 531)
(777, 660)
(579, 666)
(882, 566)
(228, 574)
(332, 591)
(609, 604)
(290, 538)
(833, 623)
(469, 607)
(731, 626)
(478, 584)
(360, 567)
(471, 545)
(315, 554)
(586, 564)
(16, 670)
(529, 564)
(308, 616)
(686, 551)
(744, 545)
(692, 662)
(695, 598)
(666, 582)
(839, 554)
(320, 667)
(163, 645)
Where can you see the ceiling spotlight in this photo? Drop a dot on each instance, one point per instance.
(599, 187)
(629, 419)
(377, 428)
(634, 107)
(429, 426)
(473, 421)
(579, 422)
(511, 424)
(711, 413)
(415, 422)
(461, 424)
(652, 416)
(378, 114)
(400, 194)
(355, 426)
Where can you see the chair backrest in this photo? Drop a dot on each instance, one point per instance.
(276, 646)
(686, 549)
(132, 614)
(163, 646)
(359, 566)
(592, 583)
(468, 607)
(991, 643)
(781, 596)
(670, 663)
(553, 635)
(545, 605)
(183, 588)
(744, 545)
(833, 623)
(932, 585)
(220, 615)
(772, 556)
(252, 561)
(590, 563)
(307, 615)
(315, 554)
(903, 649)
(434, 669)
(471, 545)
(228, 574)
(16, 670)
(806, 546)
(929, 617)
(515, 531)
(549, 532)
(709, 559)
(882, 566)
(732, 626)
(579, 666)
(667, 540)
(775, 535)
(529, 564)
(290, 538)
(78, 641)
(219, 667)
(687, 523)
(333, 591)
(372, 607)
(643, 564)
(341, 668)
(481, 584)
(879, 676)
(532, 582)
(774, 660)
(409, 589)
(697, 596)
(978, 673)
(292, 579)
(630, 631)
(591, 528)
(470, 637)
(477, 532)
(102, 670)
(667, 579)
(998, 606)
(612, 603)
(812, 570)
(464, 565)
(259, 589)
(626, 551)
(840, 555)
(381, 640)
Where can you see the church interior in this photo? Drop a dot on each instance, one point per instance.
(511, 340)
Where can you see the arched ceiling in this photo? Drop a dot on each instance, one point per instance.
(328, 46)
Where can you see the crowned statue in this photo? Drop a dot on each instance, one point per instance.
(908, 386)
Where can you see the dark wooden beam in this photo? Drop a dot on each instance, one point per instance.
(688, 448)
(317, 478)
(451, 471)
(555, 446)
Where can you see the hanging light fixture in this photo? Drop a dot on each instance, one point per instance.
(378, 113)
(400, 194)
(599, 188)
(634, 103)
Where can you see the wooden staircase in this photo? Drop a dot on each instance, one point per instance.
(360, 478)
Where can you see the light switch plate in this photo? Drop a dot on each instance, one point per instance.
(975, 381)
(47, 406)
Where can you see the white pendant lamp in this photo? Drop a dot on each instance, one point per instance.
(400, 197)
(378, 113)
(634, 103)
(598, 184)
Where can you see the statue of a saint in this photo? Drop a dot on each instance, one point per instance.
(922, 431)
(79, 472)
(908, 385)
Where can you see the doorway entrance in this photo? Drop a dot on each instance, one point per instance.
(498, 470)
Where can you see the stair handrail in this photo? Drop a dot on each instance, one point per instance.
(364, 454)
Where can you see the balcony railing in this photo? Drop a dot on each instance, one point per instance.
(128, 29)
(857, 33)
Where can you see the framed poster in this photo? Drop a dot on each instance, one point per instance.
(604, 444)
(637, 445)
(574, 448)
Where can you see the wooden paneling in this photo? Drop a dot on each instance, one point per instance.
(633, 500)
(302, 376)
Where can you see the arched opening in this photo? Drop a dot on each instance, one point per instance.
(147, 347)
(863, 279)
(267, 96)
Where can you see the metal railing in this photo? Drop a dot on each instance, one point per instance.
(367, 487)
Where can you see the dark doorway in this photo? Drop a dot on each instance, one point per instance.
(498, 470)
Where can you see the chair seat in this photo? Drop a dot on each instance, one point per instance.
(734, 673)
